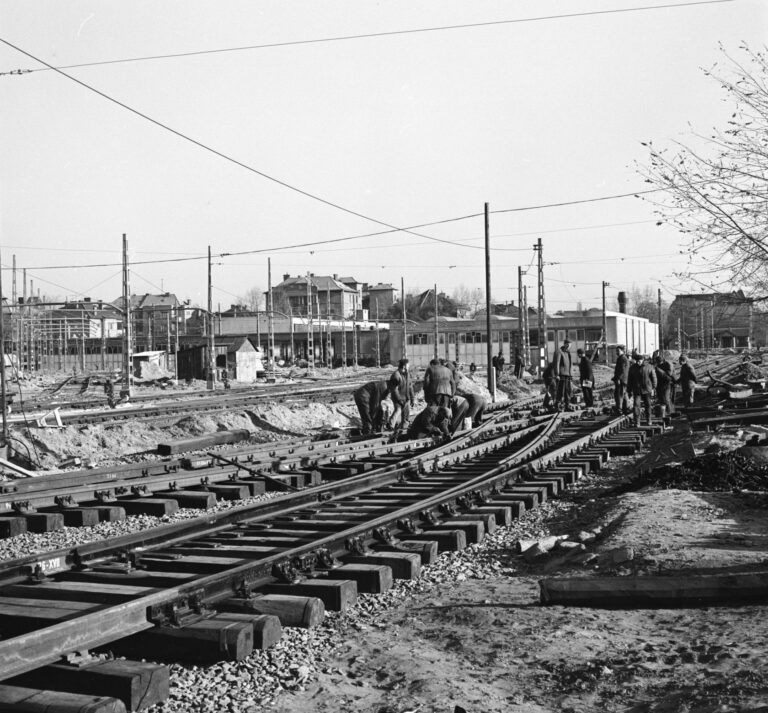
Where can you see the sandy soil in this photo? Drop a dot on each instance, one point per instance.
(482, 641)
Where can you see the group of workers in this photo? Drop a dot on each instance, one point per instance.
(449, 401)
(636, 380)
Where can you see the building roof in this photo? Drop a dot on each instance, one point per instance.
(321, 282)
(147, 301)
(381, 286)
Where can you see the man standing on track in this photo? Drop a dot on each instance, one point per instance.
(439, 384)
(620, 375)
(563, 369)
(401, 393)
(641, 383)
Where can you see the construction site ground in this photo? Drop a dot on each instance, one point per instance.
(475, 635)
(470, 632)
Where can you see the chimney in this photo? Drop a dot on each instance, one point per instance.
(286, 276)
(335, 275)
(623, 302)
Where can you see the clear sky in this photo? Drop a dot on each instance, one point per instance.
(405, 128)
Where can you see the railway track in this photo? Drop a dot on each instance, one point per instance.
(212, 588)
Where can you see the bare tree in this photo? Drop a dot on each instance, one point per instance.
(253, 299)
(716, 189)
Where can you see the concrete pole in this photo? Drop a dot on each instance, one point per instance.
(127, 327)
(211, 376)
(605, 325)
(271, 322)
(437, 334)
(3, 406)
(489, 344)
(402, 300)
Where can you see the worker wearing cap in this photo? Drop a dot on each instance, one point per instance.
(687, 380)
(401, 393)
(563, 369)
(586, 377)
(641, 383)
(620, 375)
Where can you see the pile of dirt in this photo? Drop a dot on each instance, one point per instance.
(747, 371)
(730, 471)
(106, 444)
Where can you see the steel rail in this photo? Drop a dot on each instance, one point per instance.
(31, 650)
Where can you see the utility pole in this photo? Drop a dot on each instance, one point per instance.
(3, 406)
(211, 379)
(520, 341)
(751, 326)
(437, 353)
(310, 334)
(354, 342)
(489, 344)
(661, 326)
(712, 324)
(343, 339)
(542, 309)
(679, 335)
(176, 341)
(125, 392)
(605, 325)
(402, 300)
(378, 342)
(271, 322)
(329, 343)
(526, 329)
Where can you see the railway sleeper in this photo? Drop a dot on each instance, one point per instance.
(137, 684)
(427, 550)
(40, 521)
(15, 699)
(403, 565)
(336, 594)
(198, 499)
(204, 641)
(158, 507)
(305, 612)
(448, 539)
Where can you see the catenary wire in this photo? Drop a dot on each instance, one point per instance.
(370, 35)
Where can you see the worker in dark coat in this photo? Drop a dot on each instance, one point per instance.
(519, 364)
(432, 422)
(550, 386)
(401, 393)
(641, 383)
(687, 380)
(477, 403)
(500, 361)
(664, 381)
(620, 375)
(459, 411)
(586, 377)
(439, 384)
(368, 399)
(564, 368)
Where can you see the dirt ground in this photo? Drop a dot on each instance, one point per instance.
(481, 641)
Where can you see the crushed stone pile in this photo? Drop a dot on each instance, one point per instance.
(712, 472)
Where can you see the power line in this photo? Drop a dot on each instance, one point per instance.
(370, 35)
(409, 229)
(227, 157)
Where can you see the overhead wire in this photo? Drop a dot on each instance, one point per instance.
(369, 35)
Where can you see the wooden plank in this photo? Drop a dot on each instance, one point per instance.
(207, 641)
(336, 594)
(205, 441)
(267, 629)
(688, 590)
(81, 591)
(305, 612)
(137, 684)
(14, 699)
